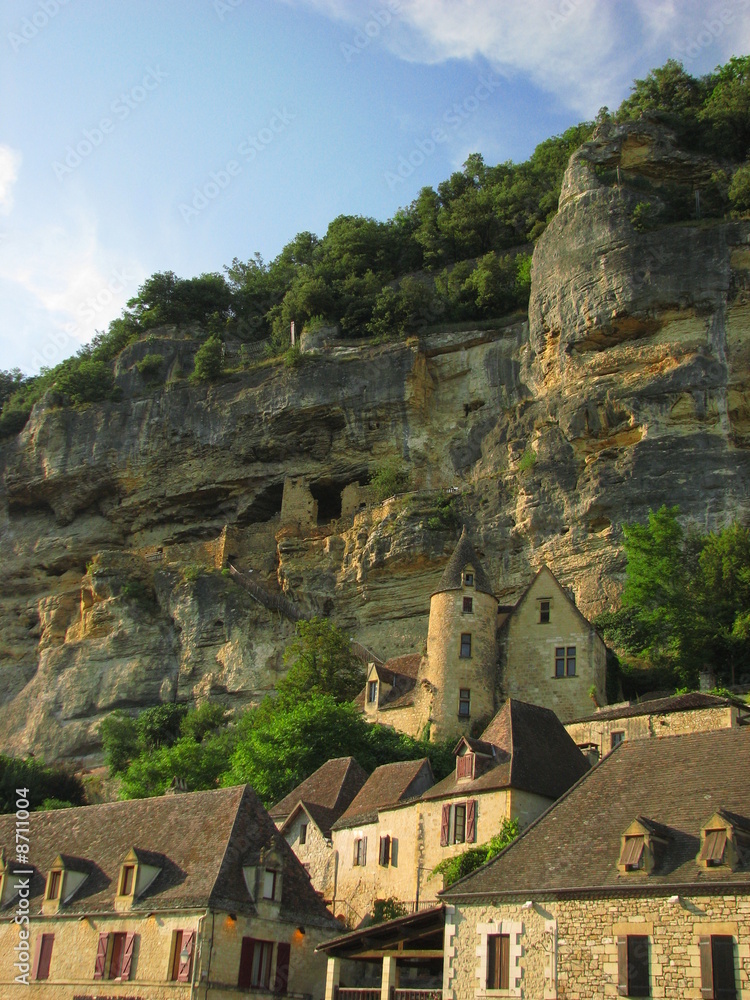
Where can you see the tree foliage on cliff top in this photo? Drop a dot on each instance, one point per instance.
(468, 240)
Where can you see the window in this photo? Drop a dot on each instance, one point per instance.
(498, 961)
(565, 661)
(632, 854)
(464, 702)
(127, 880)
(632, 966)
(255, 963)
(372, 692)
(468, 605)
(384, 856)
(459, 825)
(465, 765)
(616, 738)
(714, 845)
(468, 579)
(43, 956)
(54, 884)
(114, 956)
(303, 833)
(270, 880)
(360, 851)
(465, 645)
(717, 967)
(544, 606)
(181, 966)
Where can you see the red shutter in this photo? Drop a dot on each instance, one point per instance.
(505, 961)
(707, 969)
(37, 957)
(471, 823)
(101, 956)
(245, 977)
(364, 850)
(281, 982)
(127, 956)
(445, 822)
(183, 971)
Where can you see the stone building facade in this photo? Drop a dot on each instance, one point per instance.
(653, 901)
(541, 650)
(694, 712)
(172, 897)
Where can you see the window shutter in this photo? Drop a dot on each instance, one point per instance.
(355, 856)
(622, 966)
(471, 824)
(364, 850)
(245, 977)
(37, 957)
(101, 956)
(281, 982)
(445, 823)
(127, 957)
(722, 960)
(505, 962)
(707, 969)
(183, 971)
(385, 850)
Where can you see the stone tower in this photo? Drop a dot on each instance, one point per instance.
(461, 661)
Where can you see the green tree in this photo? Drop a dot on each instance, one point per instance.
(209, 360)
(160, 726)
(120, 740)
(199, 764)
(739, 188)
(320, 661)
(86, 381)
(42, 782)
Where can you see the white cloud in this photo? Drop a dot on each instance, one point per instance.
(10, 163)
(585, 52)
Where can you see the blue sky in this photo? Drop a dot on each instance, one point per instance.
(147, 135)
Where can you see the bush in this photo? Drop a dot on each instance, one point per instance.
(739, 189)
(391, 478)
(150, 368)
(644, 216)
(387, 909)
(528, 460)
(209, 361)
(86, 381)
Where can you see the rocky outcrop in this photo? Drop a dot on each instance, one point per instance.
(627, 388)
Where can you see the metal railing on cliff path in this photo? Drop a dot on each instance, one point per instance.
(277, 602)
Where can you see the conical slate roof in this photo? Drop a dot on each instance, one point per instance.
(464, 555)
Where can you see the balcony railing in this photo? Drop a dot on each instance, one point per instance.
(433, 994)
(347, 993)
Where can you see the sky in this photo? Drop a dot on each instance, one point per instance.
(139, 136)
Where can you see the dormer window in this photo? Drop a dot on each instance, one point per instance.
(270, 880)
(64, 879)
(725, 841)
(639, 847)
(372, 692)
(139, 869)
(127, 881)
(468, 578)
(465, 766)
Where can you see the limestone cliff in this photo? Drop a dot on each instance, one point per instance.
(628, 387)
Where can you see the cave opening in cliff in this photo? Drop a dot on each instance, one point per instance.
(265, 505)
(328, 494)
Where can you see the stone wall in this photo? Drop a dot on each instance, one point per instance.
(298, 507)
(638, 727)
(316, 854)
(567, 949)
(528, 653)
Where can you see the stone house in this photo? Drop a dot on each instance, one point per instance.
(359, 839)
(598, 733)
(305, 817)
(170, 897)
(635, 883)
(541, 650)
(395, 832)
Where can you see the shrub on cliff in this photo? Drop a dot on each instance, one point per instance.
(739, 189)
(209, 361)
(86, 381)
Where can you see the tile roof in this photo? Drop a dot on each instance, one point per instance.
(533, 751)
(388, 785)
(400, 672)
(326, 794)
(677, 782)
(199, 840)
(464, 555)
(675, 703)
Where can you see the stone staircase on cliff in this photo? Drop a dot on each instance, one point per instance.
(277, 602)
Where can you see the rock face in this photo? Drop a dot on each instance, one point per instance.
(629, 387)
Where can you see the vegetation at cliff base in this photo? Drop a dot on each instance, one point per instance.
(685, 604)
(274, 746)
(47, 786)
